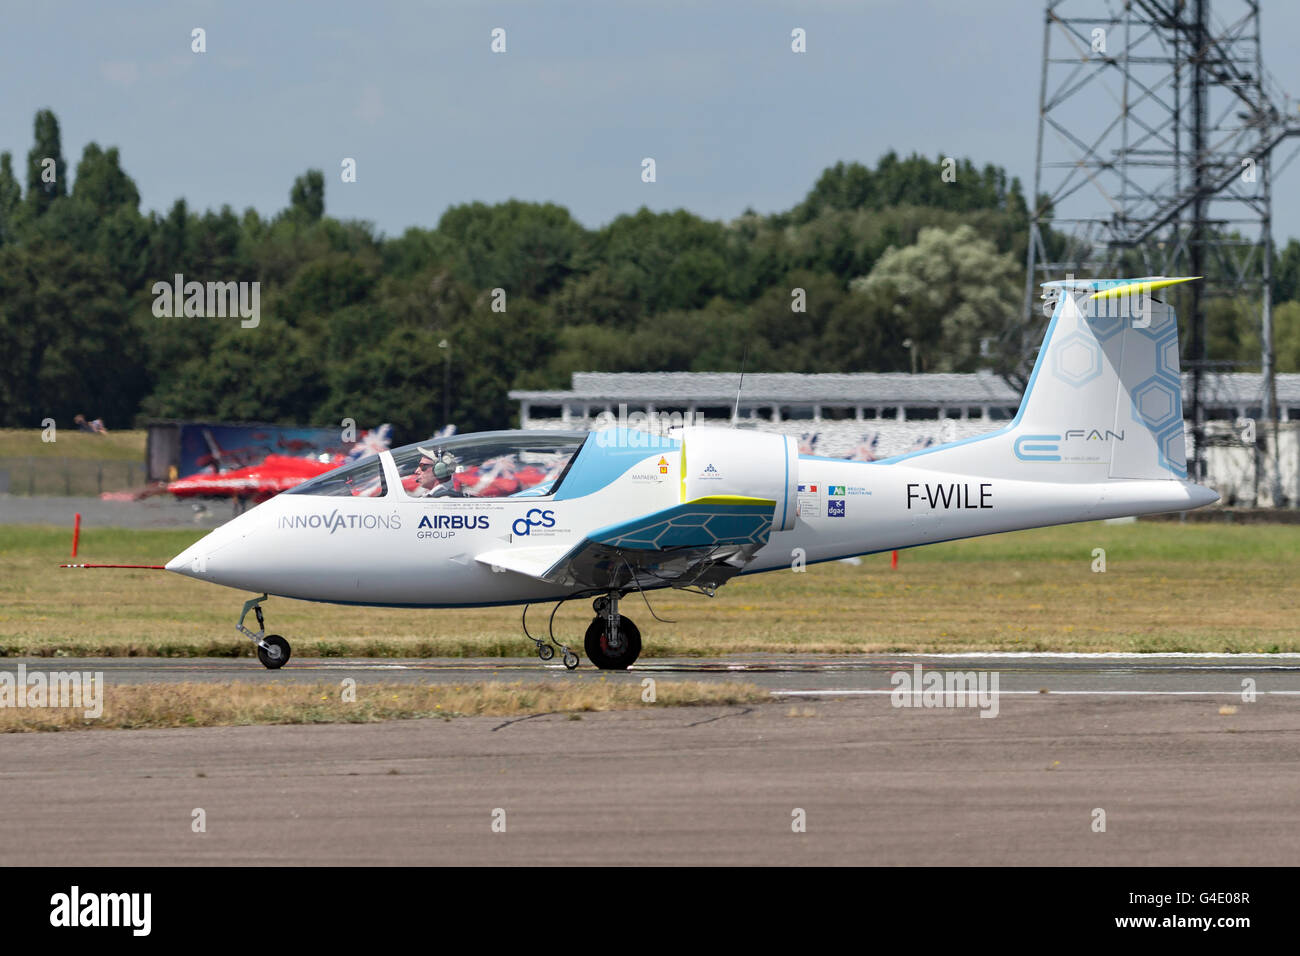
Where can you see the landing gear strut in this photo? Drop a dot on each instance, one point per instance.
(612, 642)
(272, 649)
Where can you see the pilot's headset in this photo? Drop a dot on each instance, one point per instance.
(442, 470)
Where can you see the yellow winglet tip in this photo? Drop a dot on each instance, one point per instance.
(1142, 286)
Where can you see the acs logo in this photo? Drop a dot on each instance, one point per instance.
(535, 518)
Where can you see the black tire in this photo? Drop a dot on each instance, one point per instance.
(598, 648)
(276, 654)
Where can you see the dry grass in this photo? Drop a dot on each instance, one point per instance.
(1167, 587)
(151, 706)
(75, 463)
(70, 443)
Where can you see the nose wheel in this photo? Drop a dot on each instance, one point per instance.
(272, 649)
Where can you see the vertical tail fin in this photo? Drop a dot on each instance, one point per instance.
(1105, 397)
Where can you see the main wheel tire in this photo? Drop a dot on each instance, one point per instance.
(276, 654)
(597, 644)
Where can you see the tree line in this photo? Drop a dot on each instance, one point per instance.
(877, 268)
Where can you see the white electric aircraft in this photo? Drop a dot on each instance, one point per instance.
(526, 517)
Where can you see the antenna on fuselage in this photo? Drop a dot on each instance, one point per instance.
(735, 411)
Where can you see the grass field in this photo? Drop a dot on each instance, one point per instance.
(1167, 587)
(238, 703)
(75, 463)
(70, 443)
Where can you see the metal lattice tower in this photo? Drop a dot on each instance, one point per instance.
(1156, 127)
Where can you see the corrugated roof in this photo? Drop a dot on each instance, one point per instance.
(1242, 388)
(780, 387)
(883, 388)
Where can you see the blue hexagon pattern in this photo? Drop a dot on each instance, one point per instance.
(1077, 360)
(1157, 403)
(1104, 324)
(688, 526)
(1173, 448)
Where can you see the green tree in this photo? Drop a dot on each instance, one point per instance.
(708, 339)
(950, 290)
(122, 241)
(1286, 326)
(661, 261)
(11, 195)
(397, 379)
(101, 182)
(172, 247)
(269, 373)
(914, 181)
(788, 341)
(332, 282)
(606, 296)
(1232, 328)
(1286, 274)
(525, 248)
(68, 343)
(861, 335)
(218, 246)
(41, 191)
(307, 197)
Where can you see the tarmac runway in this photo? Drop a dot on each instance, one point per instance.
(1180, 778)
(160, 511)
(1102, 675)
(1179, 783)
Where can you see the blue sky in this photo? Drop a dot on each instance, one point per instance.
(584, 92)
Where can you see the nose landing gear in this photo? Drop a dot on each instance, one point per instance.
(272, 649)
(612, 641)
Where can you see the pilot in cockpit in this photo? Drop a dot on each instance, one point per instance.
(434, 477)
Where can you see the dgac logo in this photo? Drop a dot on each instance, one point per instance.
(536, 518)
(460, 522)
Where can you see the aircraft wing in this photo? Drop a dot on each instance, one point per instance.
(701, 543)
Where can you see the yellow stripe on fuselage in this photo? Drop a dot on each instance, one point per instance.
(724, 500)
(682, 496)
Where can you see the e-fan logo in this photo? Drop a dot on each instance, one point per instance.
(1048, 447)
(535, 518)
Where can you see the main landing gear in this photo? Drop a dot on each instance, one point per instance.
(612, 642)
(272, 649)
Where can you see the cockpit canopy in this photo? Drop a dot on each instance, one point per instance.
(483, 465)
